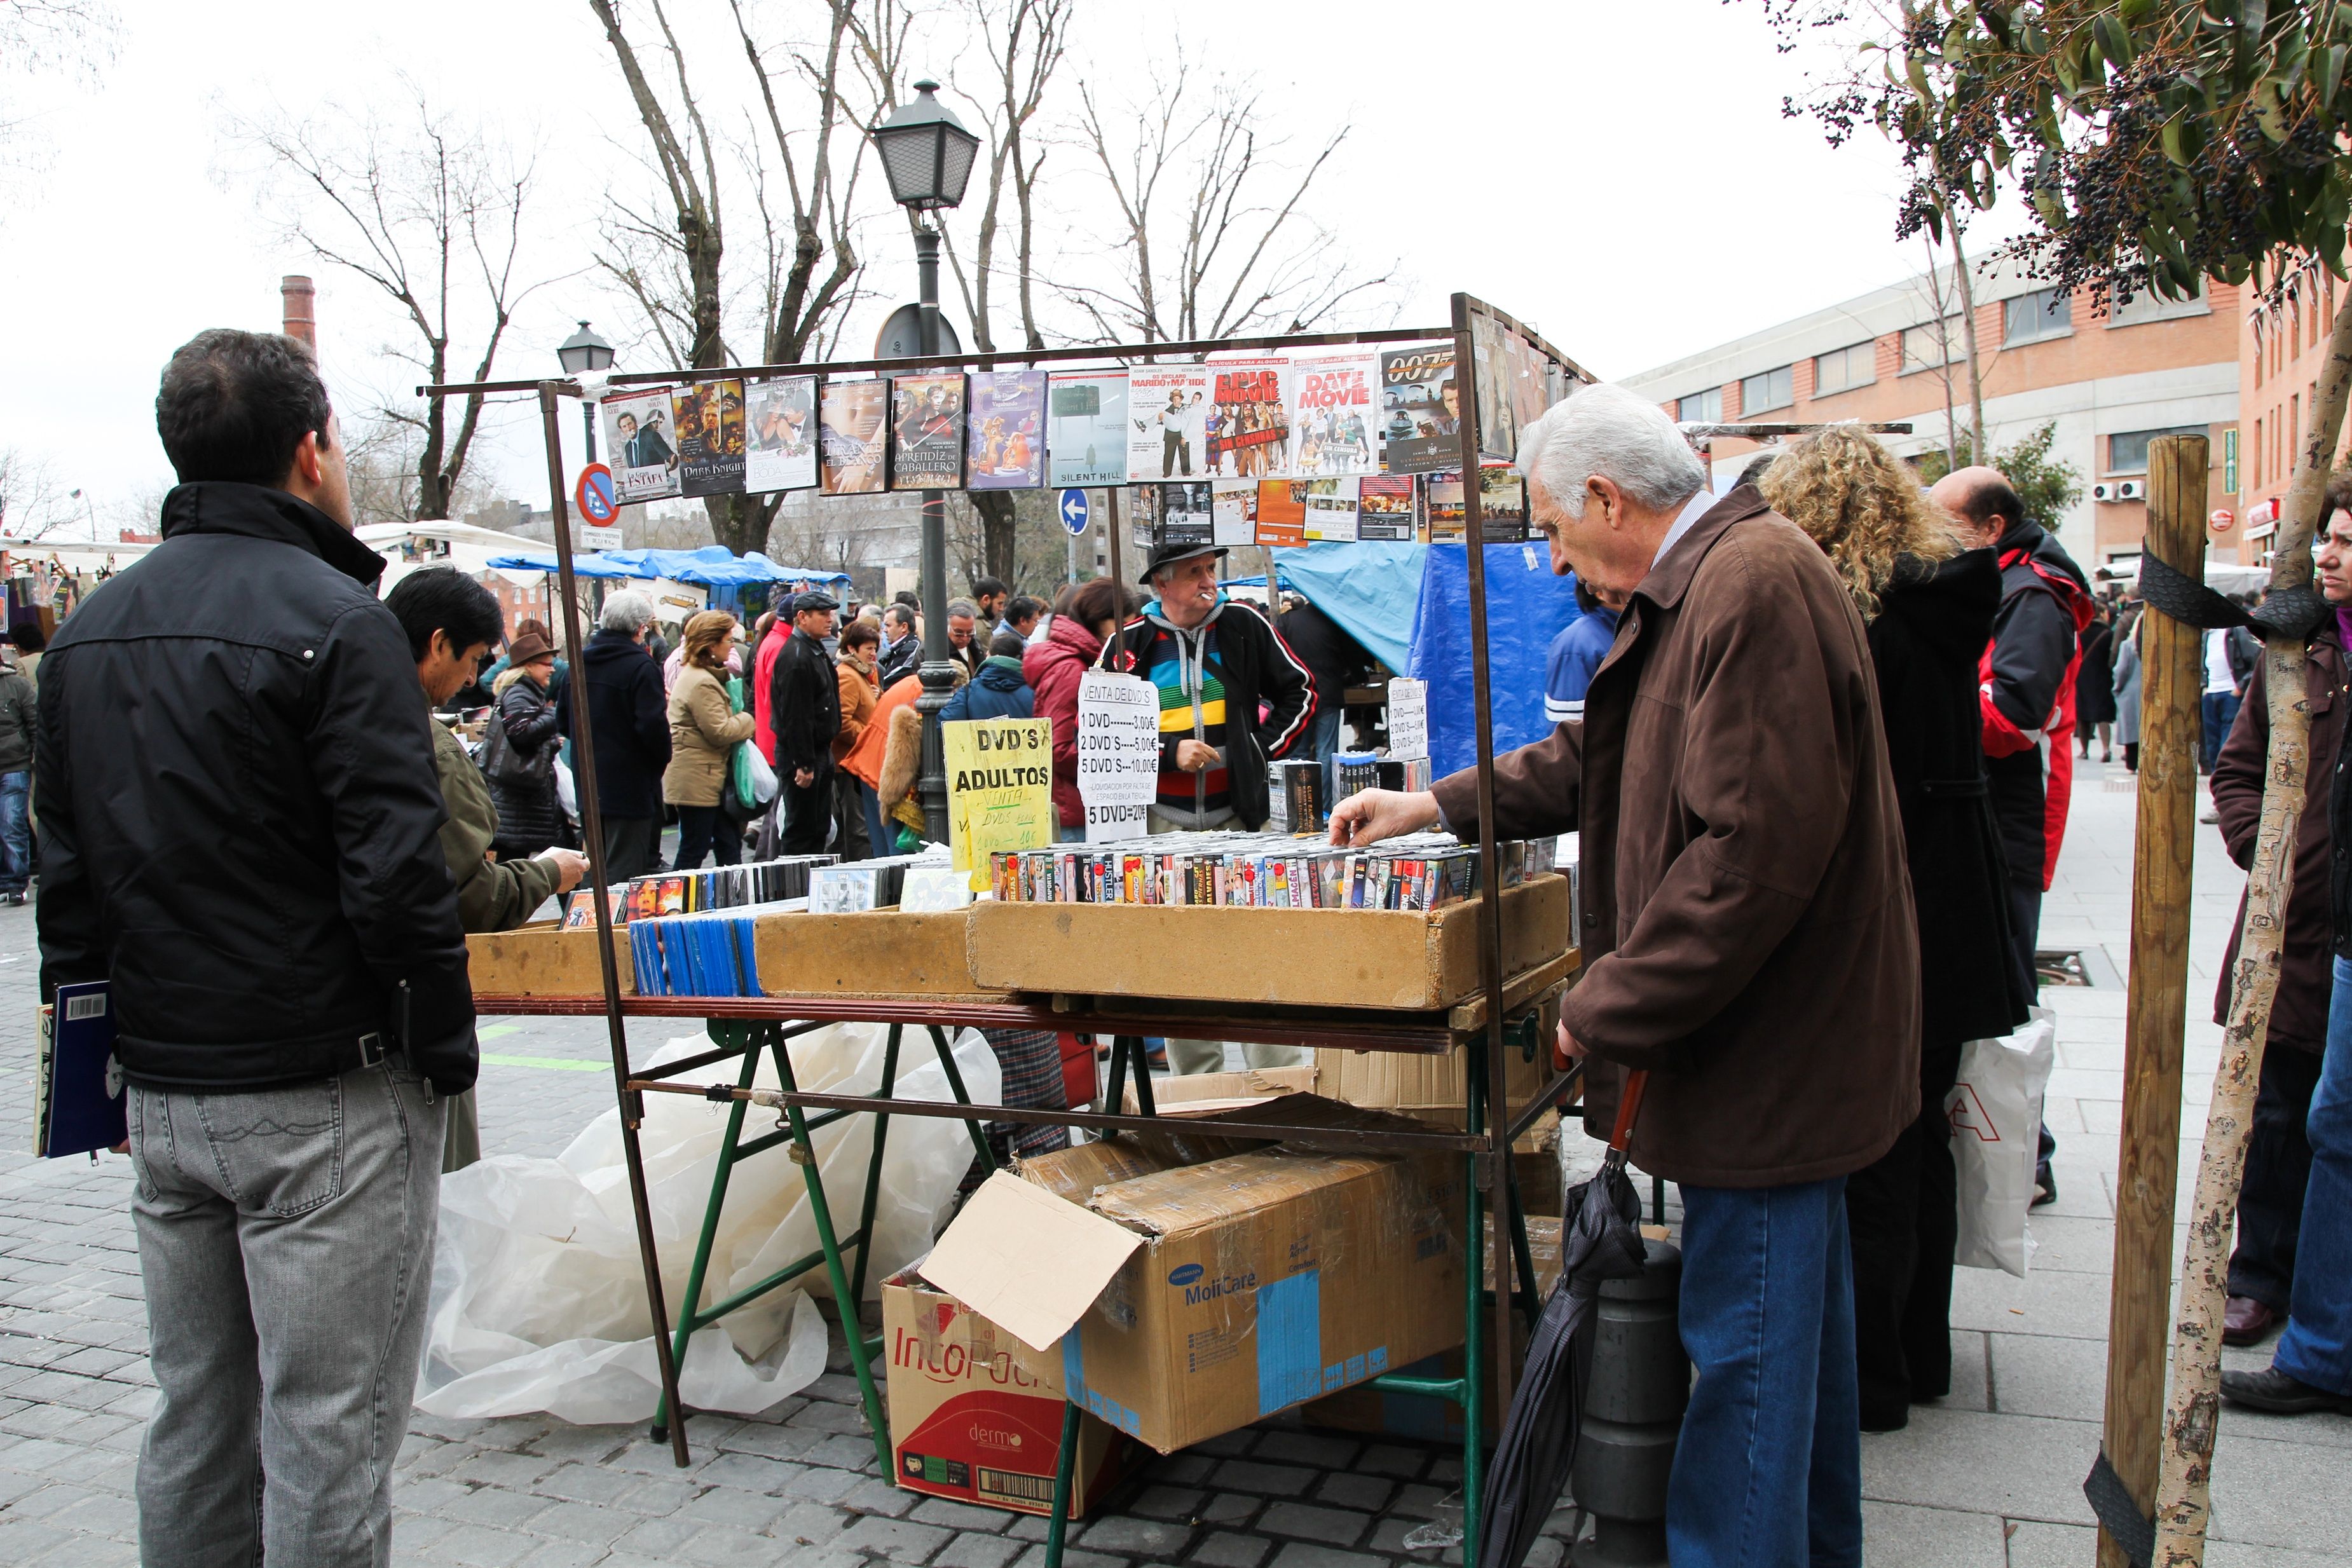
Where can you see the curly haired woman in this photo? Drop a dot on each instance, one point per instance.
(1929, 606)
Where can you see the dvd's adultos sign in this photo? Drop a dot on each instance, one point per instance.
(1119, 753)
(1000, 789)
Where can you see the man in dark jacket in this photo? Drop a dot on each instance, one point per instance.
(902, 649)
(1747, 938)
(241, 831)
(999, 691)
(1331, 656)
(804, 706)
(629, 717)
(1217, 660)
(17, 703)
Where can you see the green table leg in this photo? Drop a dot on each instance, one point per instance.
(1065, 1464)
(690, 1304)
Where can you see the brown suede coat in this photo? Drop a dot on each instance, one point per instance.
(1747, 928)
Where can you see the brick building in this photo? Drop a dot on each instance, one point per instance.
(2280, 349)
(2152, 368)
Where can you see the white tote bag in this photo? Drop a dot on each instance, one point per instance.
(1995, 1112)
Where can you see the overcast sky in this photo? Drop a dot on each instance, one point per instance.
(1619, 175)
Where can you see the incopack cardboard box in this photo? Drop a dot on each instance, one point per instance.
(1305, 957)
(976, 1415)
(1195, 1301)
(543, 961)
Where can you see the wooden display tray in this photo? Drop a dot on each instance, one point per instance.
(544, 960)
(880, 954)
(1353, 958)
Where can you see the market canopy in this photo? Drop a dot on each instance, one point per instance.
(712, 566)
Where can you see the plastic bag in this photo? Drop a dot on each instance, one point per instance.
(566, 795)
(754, 780)
(1995, 1111)
(537, 1303)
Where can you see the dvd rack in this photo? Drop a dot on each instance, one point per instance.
(1260, 871)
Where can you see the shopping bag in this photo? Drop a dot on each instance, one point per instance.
(1995, 1112)
(753, 777)
(567, 794)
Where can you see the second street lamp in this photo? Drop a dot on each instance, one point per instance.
(927, 157)
(581, 352)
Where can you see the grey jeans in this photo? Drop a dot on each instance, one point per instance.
(285, 1239)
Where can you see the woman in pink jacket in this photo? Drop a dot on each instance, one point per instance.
(1053, 667)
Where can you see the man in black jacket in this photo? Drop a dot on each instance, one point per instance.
(804, 707)
(241, 835)
(629, 715)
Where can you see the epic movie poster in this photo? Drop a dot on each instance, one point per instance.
(1334, 418)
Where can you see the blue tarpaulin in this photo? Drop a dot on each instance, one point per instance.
(1526, 608)
(1363, 586)
(713, 565)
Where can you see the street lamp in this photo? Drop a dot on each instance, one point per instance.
(584, 352)
(928, 156)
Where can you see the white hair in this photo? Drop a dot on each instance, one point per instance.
(1618, 434)
(627, 611)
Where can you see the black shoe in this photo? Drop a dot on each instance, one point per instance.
(2274, 1391)
(2045, 1188)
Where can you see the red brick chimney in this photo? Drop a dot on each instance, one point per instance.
(299, 299)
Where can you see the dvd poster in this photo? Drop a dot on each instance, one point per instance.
(709, 421)
(1508, 384)
(927, 432)
(1233, 511)
(1502, 504)
(1331, 509)
(1333, 416)
(1384, 506)
(1420, 411)
(782, 415)
(1167, 422)
(1008, 429)
(1186, 514)
(851, 435)
(637, 433)
(1443, 519)
(1281, 512)
(1085, 427)
(1248, 426)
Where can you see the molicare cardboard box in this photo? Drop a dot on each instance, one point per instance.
(1191, 1301)
(976, 1415)
(543, 961)
(1302, 957)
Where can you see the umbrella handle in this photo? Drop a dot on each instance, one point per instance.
(1629, 1106)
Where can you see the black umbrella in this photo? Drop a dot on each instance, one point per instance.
(1599, 1242)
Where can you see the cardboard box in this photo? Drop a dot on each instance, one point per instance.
(543, 961)
(976, 1415)
(1195, 1301)
(1301, 957)
(1207, 1093)
(1428, 1087)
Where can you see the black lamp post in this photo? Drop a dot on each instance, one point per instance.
(582, 351)
(928, 156)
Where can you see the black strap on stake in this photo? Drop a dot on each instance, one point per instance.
(2132, 1531)
(2292, 612)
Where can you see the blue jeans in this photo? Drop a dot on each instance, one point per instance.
(2221, 710)
(1322, 740)
(1768, 1471)
(2316, 1347)
(16, 831)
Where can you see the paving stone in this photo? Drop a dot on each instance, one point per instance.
(1304, 1555)
(517, 1472)
(584, 1483)
(881, 1497)
(1323, 1452)
(969, 1549)
(585, 1521)
(733, 1509)
(748, 1472)
(1332, 1526)
(1167, 1502)
(1071, 1558)
(1225, 1549)
(496, 1506)
(1369, 1494)
(842, 1453)
(661, 1537)
(1137, 1537)
(1392, 1460)
(1273, 1480)
(812, 1524)
(897, 1539)
(773, 1442)
(565, 1554)
(656, 1494)
(480, 1546)
(1186, 1468)
(1229, 1508)
(1228, 1445)
(954, 1515)
(819, 1484)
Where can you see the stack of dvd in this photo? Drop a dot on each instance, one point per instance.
(1295, 796)
(865, 884)
(1352, 772)
(702, 955)
(722, 887)
(1258, 870)
(1404, 773)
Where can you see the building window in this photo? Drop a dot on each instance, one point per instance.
(1773, 389)
(1933, 344)
(1701, 408)
(2256, 482)
(2148, 306)
(1845, 369)
(2127, 450)
(2045, 313)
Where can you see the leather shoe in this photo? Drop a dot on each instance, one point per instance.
(2245, 1320)
(2272, 1390)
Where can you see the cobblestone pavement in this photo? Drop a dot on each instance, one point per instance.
(1991, 1477)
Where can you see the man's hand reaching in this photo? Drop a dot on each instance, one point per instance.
(571, 865)
(1370, 815)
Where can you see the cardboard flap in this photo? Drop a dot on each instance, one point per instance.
(1028, 1262)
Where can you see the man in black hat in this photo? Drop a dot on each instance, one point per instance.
(804, 706)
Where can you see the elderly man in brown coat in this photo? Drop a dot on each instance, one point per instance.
(1747, 938)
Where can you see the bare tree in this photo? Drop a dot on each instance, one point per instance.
(49, 37)
(672, 264)
(31, 503)
(1215, 237)
(383, 451)
(432, 215)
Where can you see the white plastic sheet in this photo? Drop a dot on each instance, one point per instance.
(1995, 1111)
(538, 1302)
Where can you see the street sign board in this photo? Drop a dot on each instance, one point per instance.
(590, 537)
(1074, 512)
(595, 497)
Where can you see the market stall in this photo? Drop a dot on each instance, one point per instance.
(1481, 933)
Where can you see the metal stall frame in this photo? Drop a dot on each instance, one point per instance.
(1491, 1125)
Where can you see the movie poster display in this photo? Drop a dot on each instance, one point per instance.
(1330, 510)
(1281, 512)
(709, 419)
(927, 432)
(781, 442)
(1233, 511)
(1494, 351)
(1385, 506)
(1085, 427)
(1421, 414)
(1502, 504)
(1167, 422)
(1444, 518)
(853, 435)
(1248, 424)
(637, 435)
(1187, 514)
(1334, 416)
(1008, 429)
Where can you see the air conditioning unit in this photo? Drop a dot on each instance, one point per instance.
(2103, 492)
(2131, 490)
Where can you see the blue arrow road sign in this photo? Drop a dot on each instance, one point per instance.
(1074, 511)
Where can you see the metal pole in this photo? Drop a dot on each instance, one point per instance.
(939, 680)
(1490, 910)
(592, 824)
(588, 428)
